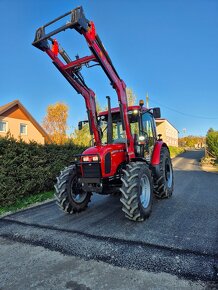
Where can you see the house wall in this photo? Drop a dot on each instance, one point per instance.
(161, 130)
(16, 117)
(169, 133)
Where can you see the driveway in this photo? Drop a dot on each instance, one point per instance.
(177, 247)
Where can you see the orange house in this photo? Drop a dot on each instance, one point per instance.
(14, 118)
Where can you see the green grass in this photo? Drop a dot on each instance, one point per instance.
(174, 151)
(26, 201)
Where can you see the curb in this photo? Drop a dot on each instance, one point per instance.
(34, 205)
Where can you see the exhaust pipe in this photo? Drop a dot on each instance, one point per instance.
(109, 123)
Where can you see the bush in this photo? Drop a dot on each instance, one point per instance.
(27, 169)
(212, 143)
(174, 151)
(192, 141)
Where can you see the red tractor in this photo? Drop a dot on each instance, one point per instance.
(126, 156)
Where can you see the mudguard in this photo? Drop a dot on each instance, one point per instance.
(155, 159)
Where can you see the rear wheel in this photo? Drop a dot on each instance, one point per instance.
(137, 191)
(69, 193)
(164, 181)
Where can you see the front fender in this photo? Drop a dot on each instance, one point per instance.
(155, 159)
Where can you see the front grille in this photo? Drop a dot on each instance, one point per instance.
(91, 170)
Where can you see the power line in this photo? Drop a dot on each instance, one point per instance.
(185, 114)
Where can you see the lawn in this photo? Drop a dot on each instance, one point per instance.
(174, 151)
(26, 201)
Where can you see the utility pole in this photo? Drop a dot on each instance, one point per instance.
(147, 101)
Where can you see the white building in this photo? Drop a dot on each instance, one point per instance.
(169, 133)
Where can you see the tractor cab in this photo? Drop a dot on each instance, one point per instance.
(142, 124)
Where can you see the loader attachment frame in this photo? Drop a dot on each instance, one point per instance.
(71, 69)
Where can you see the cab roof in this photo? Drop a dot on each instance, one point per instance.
(117, 110)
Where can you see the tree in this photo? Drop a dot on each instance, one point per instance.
(210, 130)
(212, 142)
(55, 122)
(191, 141)
(131, 97)
(81, 137)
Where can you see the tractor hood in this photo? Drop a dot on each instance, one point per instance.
(111, 157)
(104, 149)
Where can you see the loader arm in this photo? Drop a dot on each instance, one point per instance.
(71, 69)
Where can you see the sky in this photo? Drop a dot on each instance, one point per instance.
(166, 48)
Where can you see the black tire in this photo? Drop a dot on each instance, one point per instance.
(68, 191)
(137, 183)
(164, 179)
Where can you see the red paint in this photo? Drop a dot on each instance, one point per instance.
(118, 156)
(91, 32)
(55, 47)
(79, 62)
(155, 160)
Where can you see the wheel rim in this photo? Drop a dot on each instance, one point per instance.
(145, 191)
(76, 192)
(168, 173)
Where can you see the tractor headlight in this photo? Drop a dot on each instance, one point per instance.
(95, 158)
(85, 158)
(90, 158)
(141, 138)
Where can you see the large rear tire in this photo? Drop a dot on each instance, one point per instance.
(70, 196)
(137, 191)
(164, 179)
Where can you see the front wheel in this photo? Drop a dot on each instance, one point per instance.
(137, 191)
(164, 180)
(69, 194)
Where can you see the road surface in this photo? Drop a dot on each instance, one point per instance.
(177, 247)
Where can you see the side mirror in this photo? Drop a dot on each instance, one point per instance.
(156, 113)
(159, 137)
(80, 125)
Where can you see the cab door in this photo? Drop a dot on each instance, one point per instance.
(149, 130)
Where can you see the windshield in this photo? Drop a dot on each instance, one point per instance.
(118, 133)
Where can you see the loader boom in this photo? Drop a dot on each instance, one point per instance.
(71, 69)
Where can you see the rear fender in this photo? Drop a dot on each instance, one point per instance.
(155, 159)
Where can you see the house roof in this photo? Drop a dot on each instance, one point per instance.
(6, 107)
(14, 103)
(161, 120)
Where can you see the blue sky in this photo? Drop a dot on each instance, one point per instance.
(166, 48)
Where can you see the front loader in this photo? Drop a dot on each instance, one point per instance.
(126, 156)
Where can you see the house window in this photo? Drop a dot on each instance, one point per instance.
(3, 126)
(23, 129)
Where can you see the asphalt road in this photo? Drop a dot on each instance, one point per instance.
(177, 247)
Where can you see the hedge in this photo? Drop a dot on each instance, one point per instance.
(174, 151)
(212, 143)
(27, 169)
